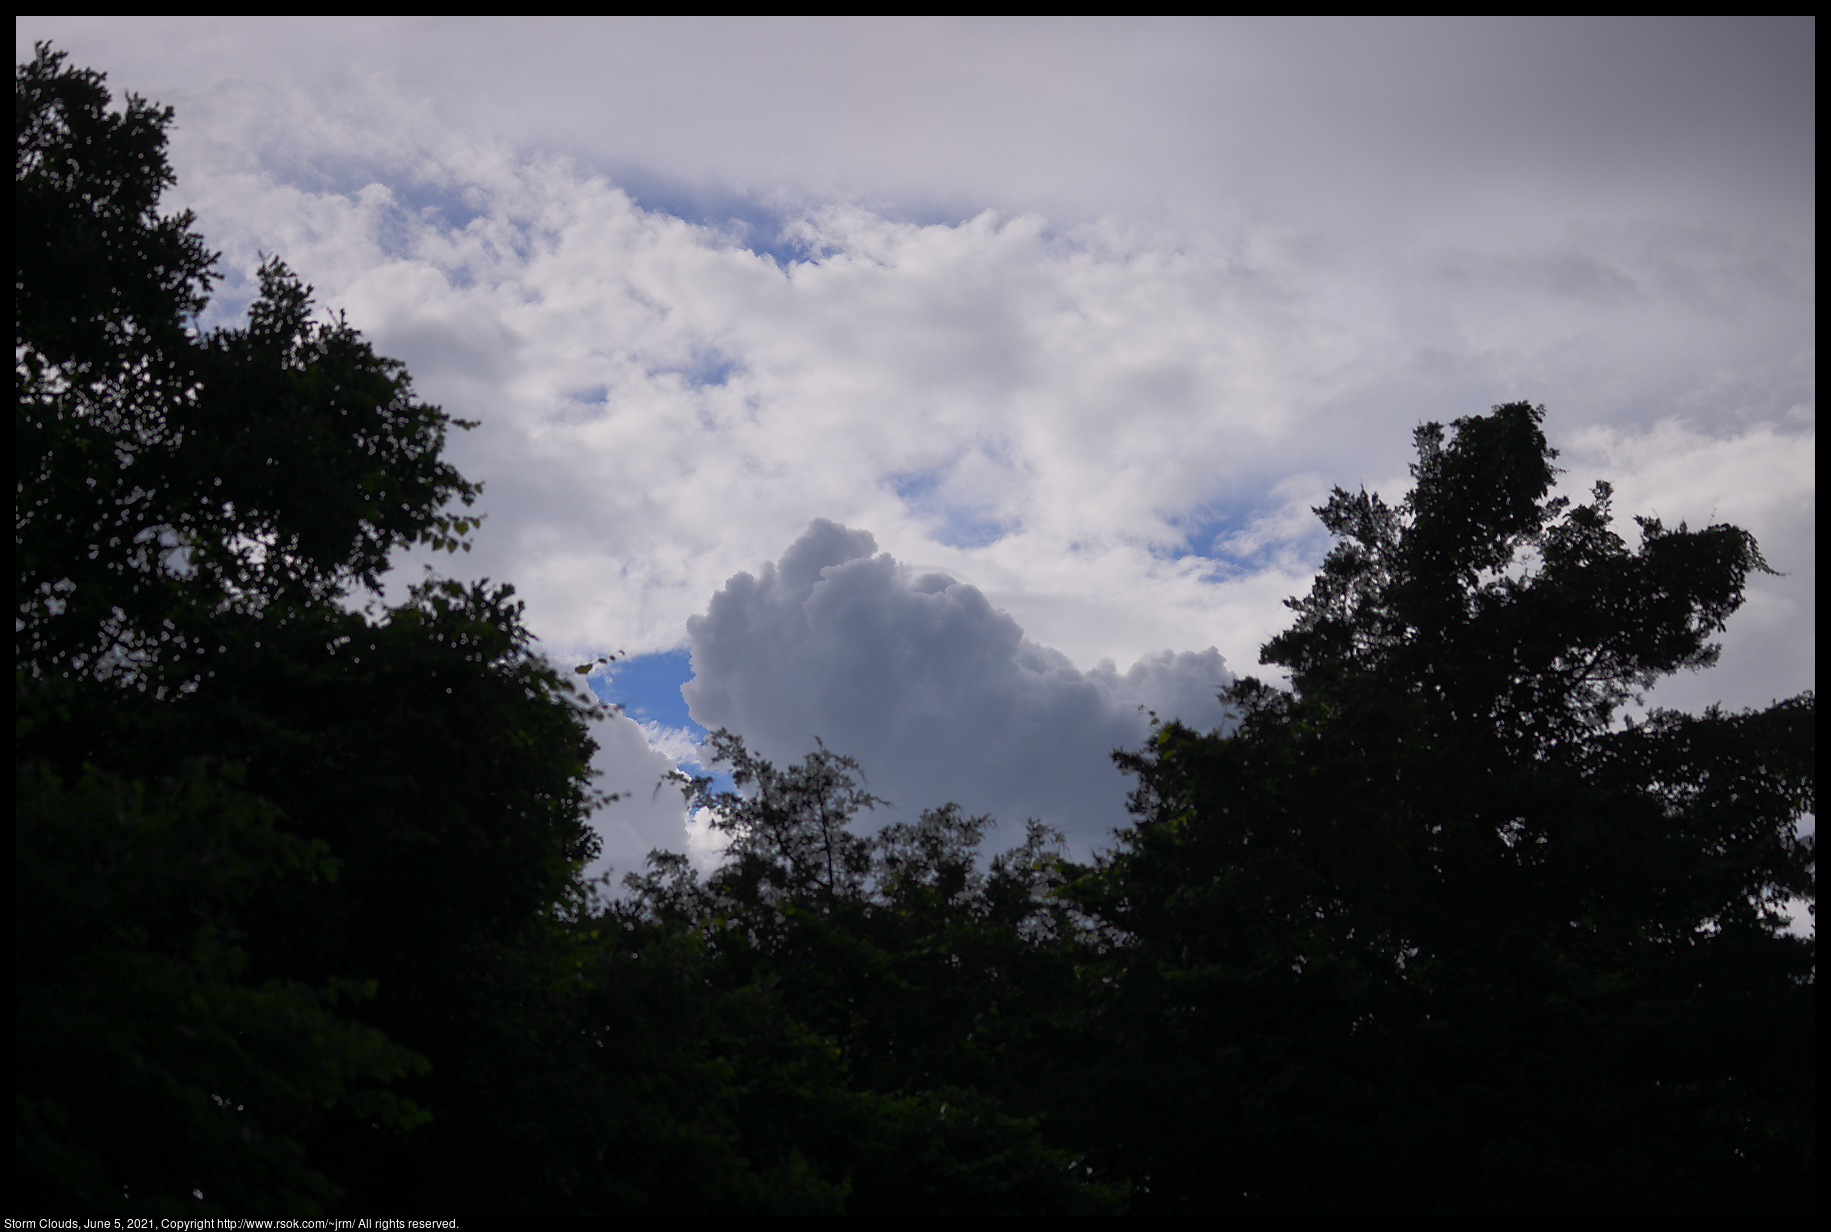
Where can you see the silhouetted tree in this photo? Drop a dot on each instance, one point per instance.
(261, 835)
(934, 982)
(299, 915)
(1431, 932)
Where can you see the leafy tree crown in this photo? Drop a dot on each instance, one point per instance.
(166, 477)
(1500, 605)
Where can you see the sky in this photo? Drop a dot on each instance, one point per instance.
(956, 392)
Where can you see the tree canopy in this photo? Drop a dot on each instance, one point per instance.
(1431, 931)
(300, 910)
(166, 478)
(259, 832)
(300, 917)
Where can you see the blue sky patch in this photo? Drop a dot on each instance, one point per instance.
(648, 689)
(709, 368)
(955, 525)
(757, 227)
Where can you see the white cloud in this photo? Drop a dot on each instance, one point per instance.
(650, 813)
(936, 692)
(1761, 476)
(1185, 276)
(1075, 420)
(678, 744)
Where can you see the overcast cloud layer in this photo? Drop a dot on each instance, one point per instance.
(1083, 315)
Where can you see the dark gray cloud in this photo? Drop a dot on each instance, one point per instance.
(1377, 119)
(934, 690)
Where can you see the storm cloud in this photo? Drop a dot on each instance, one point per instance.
(938, 693)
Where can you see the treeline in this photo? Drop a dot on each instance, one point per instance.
(301, 924)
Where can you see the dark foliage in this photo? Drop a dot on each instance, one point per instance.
(299, 911)
(299, 916)
(260, 836)
(1430, 933)
(939, 985)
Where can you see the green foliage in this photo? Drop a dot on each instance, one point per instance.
(937, 985)
(169, 481)
(1431, 932)
(299, 916)
(150, 1064)
(1503, 608)
(300, 910)
(205, 735)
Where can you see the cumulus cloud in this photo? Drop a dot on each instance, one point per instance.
(1075, 420)
(932, 688)
(649, 814)
(1092, 323)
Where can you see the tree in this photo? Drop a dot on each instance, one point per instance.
(167, 480)
(1431, 931)
(149, 1066)
(300, 916)
(930, 982)
(292, 832)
